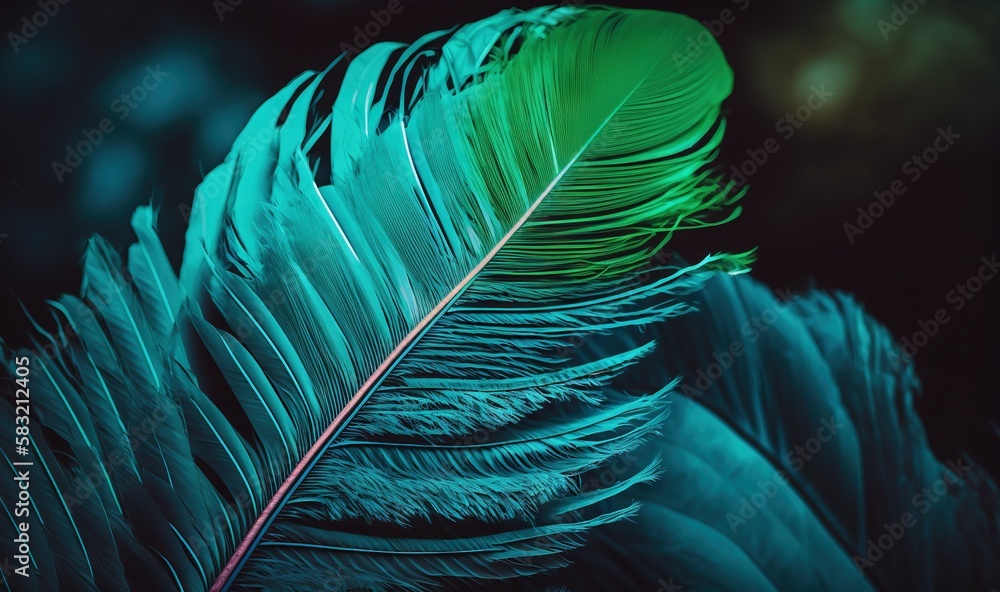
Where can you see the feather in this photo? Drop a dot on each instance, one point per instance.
(793, 460)
(361, 366)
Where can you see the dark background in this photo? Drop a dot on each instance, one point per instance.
(892, 90)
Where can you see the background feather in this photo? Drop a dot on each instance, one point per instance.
(790, 461)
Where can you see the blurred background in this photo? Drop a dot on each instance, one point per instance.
(106, 107)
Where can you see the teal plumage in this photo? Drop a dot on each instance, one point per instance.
(801, 466)
(411, 322)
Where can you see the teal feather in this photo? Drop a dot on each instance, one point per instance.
(722, 518)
